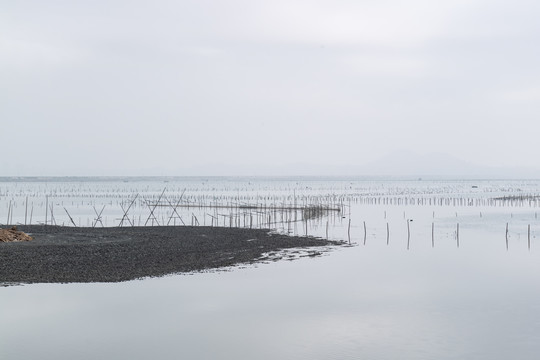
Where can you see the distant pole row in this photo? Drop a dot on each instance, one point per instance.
(456, 234)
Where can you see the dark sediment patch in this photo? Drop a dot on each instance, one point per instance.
(70, 254)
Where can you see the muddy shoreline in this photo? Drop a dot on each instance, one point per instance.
(71, 254)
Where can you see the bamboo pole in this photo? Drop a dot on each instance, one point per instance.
(70, 218)
(9, 212)
(26, 210)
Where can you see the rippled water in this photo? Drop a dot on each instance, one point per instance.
(374, 300)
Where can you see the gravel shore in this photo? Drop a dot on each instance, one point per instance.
(71, 254)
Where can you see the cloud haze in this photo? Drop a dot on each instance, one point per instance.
(257, 87)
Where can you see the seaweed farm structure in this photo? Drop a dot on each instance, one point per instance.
(175, 210)
(363, 211)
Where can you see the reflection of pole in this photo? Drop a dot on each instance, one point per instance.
(457, 235)
(506, 236)
(432, 234)
(408, 234)
(326, 229)
(365, 233)
(349, 231)
(529, 236)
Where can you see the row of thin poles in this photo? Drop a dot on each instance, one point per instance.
(259, 215)
(456, 234)
(267, 219)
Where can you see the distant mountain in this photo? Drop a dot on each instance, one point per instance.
(402, 164)
(439, 165)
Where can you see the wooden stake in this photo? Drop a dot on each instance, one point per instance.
(70, 218)
(26, 211)
(99, 219)
(53, 220)
(9, 212)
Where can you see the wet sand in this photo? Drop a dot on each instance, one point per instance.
(71, 254)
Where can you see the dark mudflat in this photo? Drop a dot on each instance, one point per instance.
(70, 254)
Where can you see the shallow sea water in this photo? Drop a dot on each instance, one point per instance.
(373, 300)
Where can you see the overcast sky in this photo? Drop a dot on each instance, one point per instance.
(205, 87)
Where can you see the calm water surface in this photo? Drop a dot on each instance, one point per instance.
(374, 300)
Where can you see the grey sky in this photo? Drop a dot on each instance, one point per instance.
(260, 87)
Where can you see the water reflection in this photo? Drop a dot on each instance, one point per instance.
(377, 302)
